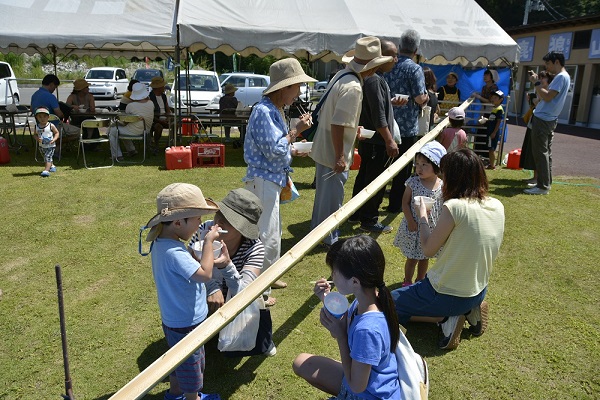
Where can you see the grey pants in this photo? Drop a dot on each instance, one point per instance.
(329, 198)
(542, 133)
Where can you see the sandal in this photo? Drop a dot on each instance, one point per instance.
(270, 301)
(278, 284)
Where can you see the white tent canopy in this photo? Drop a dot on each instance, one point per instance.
(453, 31)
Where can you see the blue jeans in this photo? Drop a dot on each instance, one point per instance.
(421, 300)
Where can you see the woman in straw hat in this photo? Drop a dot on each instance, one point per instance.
(268, 151)
(82, 101)
(241, 259)
(227, 105)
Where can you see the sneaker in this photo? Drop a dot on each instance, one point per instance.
(376, 228)
(45, 174)
(119, 159)
(53, 168)
(531, 184)
(209, 396)
(451, 329)
(272, 350)
(536, 191)
(478, 319)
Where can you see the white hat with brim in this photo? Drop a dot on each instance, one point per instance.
(366, 55)
(434, 151)
(138, 91)
(286, 72)
(178, 201)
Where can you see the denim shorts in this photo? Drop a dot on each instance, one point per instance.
(190, 374)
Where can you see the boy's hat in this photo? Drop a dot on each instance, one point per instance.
(43, 110)
(366, 55)
(138, 91)
(456, 113)
(454, 74)
(434, 151)
(242, 209)
(499, 93)
(80, 84)
(286, 72)
(229, 88)
(178, 201)
(157, 82)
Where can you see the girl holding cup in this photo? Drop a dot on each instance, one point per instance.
(367, 334)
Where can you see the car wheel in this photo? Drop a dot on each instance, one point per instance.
(115, 95)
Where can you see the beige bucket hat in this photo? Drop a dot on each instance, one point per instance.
(366, 55)
(178, 201)
(286, 72)
(157, 82)
(229, 88)
(242, 209)
(80, 84)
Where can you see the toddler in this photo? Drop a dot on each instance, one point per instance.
(46, 134)
(454, 137)
(425, 182)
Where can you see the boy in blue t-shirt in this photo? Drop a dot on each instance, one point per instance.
(179, 276)
(493, 125)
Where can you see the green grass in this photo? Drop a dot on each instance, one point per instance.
(542, 342)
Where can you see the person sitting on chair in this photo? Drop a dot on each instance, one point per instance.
(227, 105)
(162, 112)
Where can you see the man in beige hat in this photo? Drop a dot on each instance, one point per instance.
(162, 112)
(338, 123)
(179, 276)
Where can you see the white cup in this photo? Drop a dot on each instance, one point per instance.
(198, 246)
(366, 133)
(429, 202)
(398, 96)
(336, 303)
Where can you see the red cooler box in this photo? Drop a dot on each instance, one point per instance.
(514, 158)
(178, 157)
(208, 155)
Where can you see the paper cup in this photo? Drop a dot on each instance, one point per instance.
(429, 202)
(401, 96)
(197, 247)
(366, 133)
(336, 303)
(302, 147)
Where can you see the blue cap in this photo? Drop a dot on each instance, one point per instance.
(434, 151)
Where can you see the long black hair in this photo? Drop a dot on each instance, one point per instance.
(361, 257)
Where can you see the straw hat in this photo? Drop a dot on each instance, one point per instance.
(366, 55)
(138, 91)
(434, 151)
(157, 82)
(286, 72)
(178, 201)
(242, 209)
(80, 84)
(229, 88)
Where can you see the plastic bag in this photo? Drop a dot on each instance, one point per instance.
(240, 334)
(424, 119)
(289, 192)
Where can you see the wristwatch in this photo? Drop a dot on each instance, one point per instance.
(538, 83)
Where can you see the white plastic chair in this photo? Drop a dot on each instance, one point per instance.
(93, 123)
(126, 119)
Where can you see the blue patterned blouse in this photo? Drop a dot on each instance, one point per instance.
(266, 148)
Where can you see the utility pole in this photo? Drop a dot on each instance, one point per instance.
(532, 5)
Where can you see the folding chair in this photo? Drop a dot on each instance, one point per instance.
(123, 135)
(93, 123)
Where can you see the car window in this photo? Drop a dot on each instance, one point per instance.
(199, 83)
(237, 81)
(4, 71)
(257, 82)
(99, 74)
(121, 74)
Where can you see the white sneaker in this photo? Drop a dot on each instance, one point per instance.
(531, 184)
(451, 330)
(272, 351)
(536, 191)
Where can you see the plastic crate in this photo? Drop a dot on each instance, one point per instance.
(208, 155)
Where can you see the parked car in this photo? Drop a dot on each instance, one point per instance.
(197, 91)
(107, 81)
(9, 90)
(250, 87)
(145, 75)
(321, 85)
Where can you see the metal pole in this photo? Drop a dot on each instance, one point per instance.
(527, 10)
(63, 335)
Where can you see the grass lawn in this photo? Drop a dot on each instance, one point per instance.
(543, 340)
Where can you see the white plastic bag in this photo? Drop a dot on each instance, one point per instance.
(412, 371)
(424, 119)
(240, 334)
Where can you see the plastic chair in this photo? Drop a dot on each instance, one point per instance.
(93, 123)
(131, 119)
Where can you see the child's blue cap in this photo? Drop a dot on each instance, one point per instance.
(434, 151)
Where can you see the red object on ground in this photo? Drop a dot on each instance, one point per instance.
(514, 158)
(178, 157)
(208, 155)
(188, 127)
(4, 154)
(356, 162)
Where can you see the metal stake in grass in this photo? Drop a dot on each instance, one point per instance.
(63, 334)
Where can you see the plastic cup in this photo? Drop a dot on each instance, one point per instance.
(302, 147)
(401, 96)
(198, 246)
(366, 133)
(429, 202)
(336, 303)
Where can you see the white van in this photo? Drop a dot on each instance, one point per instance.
(198, 90)
(9, 91)
(107, 81)
(249, 88)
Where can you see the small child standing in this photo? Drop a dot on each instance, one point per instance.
(454, 137)
(46, 134)
(425, 182)
(179, 277)
(493, 125)
(367, 334)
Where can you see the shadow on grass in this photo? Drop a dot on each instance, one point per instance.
(506, 187)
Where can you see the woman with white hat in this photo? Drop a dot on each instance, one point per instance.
(268, 151)
(141, 106)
